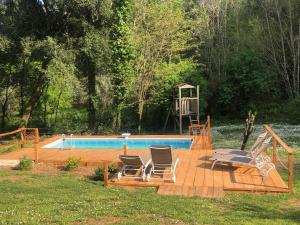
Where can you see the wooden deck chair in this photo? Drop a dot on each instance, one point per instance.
(162, 162)
(249, 153)
(259, 160)
(134, 163)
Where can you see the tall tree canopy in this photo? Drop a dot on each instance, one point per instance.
(105, 65)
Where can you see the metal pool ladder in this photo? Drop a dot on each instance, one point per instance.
(63, 136)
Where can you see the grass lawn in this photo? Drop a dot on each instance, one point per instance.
(62, 198)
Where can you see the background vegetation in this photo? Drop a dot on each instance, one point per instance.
(102, 66)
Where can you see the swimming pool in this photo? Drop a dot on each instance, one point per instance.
(118, 143)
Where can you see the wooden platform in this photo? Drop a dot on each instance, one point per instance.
(194, 176)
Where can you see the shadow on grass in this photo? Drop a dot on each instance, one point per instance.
(260, 212)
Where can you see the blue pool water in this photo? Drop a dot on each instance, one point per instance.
(118, 143)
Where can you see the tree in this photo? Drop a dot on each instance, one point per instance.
(157, 36)
(7, 76)
(249, 84)
(122, 56)
(281, 33)
(41, 62)
(249, 122)
(93, 60)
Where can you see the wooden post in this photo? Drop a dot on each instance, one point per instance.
(208, 132)
(180, 112)
(105, 175)
(274, 149)
(291, 172)
(125, 149)
(22, 137)
(36, 144)
(203, 138)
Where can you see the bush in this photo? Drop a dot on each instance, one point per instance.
(24, 164)
(99, 172)
(112, 169)
(72, 163)
(249, 85)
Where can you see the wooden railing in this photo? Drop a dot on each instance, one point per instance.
(203, 134)
(24, 139)
(277, 140)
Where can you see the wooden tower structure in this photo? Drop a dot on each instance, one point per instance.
(186, 104)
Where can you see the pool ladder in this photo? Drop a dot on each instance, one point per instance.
(63, 136)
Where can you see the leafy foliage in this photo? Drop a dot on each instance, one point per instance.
(72, 163)
(99, 172)
(103, 66)
(24, 164)
(248, 84)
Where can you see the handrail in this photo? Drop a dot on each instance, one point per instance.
(290, 151)
(11, 132)
(16, 131)
(205, 132)
(278, 139)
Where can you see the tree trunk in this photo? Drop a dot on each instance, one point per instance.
(57, 106)
(37, 91)
(248, 128)
(141, 109)
(91, 101)
(4, 107)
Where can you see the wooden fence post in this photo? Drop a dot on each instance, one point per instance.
(36, 145)
(22, 137)
(209, 132)
(291, 172)
(105, 175)
(203, 137)
(125, 149)
(274, 149)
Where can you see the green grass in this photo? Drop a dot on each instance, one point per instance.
(66, 199)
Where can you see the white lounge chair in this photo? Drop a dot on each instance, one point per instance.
(162, 162)
(258, 160)
(249, 153)
(134, 163)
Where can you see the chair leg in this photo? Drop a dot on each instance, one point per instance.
(173, 178)
(143, 175)
(214, 163)
(148, 176)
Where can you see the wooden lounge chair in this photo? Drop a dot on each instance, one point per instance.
(162, 162)
(134, 164)
(249, 153)
(259, 160)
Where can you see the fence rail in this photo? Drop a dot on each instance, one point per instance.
(202, 132)
(23, 139)
(277, 140)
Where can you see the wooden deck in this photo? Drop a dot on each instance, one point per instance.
(193, 175)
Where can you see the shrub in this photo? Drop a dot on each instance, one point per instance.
(112, 168)
(99, 172)
(24, 164)
(72, 163)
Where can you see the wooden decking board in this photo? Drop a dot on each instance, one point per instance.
(193, 174)
(198, 191)
(278, 179)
